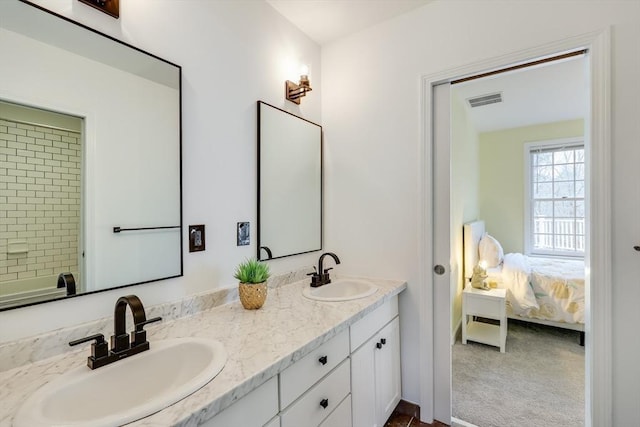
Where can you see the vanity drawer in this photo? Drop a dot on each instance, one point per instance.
(341, 417)
(297, 378)
(309, 410)
(364, 328)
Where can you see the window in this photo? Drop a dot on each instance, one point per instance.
(555, 210)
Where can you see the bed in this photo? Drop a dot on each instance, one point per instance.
(548, 291)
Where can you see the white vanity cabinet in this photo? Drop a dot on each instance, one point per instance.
(319, 402)
(303, 374)
(341, 417)
(351, 380)
(313, 390)
(375, 366)
(256, 409)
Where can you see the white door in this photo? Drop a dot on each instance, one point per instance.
(442, 252)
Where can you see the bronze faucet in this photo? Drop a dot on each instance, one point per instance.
(321, 276)
(121, 345)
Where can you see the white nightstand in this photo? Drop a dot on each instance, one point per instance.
(490, 304)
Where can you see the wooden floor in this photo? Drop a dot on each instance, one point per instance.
(402, 420)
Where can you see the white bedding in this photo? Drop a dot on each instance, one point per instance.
(542, 288)
(549, 289)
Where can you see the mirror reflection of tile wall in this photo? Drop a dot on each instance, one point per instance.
(40, 192)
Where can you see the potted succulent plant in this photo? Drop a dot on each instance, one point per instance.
(253, 276)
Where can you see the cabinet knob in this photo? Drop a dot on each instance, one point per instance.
(637, 248)
(378, 345)
(324, 403)
(383, 341)
(323, 360)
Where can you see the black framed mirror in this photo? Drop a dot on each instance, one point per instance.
(289, 184)
(118, 175)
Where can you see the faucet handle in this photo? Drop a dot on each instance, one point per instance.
(326, 270)
(141, 325)
(99, 348)
(139, 336)
(315, 272)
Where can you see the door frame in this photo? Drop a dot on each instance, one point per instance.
(598, 324)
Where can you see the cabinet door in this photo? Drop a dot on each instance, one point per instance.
(375, 377)
(387, 371)
(363, 385)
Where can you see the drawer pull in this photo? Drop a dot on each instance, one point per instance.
(383, 341)
(324, 403)
(378, 345)
(323, 360)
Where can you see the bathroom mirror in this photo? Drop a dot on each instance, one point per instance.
(289, 184)
(90, 160)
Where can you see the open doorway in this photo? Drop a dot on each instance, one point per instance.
(435, 325)
(518, 152)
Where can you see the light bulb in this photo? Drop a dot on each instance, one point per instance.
(483, 264)
(304, 70)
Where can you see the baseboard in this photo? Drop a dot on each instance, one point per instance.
(462, 423)
(456, 331)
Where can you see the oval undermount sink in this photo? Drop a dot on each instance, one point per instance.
(341, 290)
(128, 389)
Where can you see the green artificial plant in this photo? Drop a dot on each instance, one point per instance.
(252, 271)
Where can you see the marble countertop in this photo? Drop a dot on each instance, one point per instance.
(260, 344)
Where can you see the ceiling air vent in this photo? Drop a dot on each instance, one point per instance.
(491, 98)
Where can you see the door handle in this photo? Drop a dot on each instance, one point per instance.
(439, 270)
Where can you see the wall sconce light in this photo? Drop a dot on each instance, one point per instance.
(110, 7)
(293, 92)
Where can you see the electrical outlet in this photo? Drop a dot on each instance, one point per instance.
(243, 234)
(196, 238)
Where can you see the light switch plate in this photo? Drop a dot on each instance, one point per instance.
(243, 234)
(196, 238)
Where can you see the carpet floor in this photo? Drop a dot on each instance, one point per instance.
(539, 381)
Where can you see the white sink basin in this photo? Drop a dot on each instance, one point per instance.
(341, 290)
(128, 389)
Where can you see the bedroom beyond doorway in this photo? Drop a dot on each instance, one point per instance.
(535, 211)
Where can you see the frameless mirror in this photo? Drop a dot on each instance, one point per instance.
(90, 149)
(289, 184)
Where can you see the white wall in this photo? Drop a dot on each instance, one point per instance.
(502, 188)
(233, 53)
(373, 138)
(465, 176)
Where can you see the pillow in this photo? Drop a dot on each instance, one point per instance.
(490, 251)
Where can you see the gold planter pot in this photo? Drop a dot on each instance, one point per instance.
(252, 296)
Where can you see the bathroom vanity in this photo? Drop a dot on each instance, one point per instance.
(296, 361)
